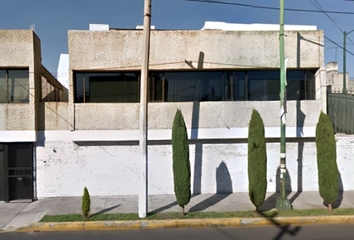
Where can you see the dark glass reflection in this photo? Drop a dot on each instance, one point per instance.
(193, 86)
(107, 87)
(252, 85)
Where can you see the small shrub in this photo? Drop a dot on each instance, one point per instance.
(181, 164)
(328, 173)
(86, 203)
(257, 160)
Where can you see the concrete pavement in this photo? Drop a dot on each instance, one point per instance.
(19, 214)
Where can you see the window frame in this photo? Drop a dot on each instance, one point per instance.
(233, 77)
(8, 96)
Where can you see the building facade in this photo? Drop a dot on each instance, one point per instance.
(26, 89)
(216, 77)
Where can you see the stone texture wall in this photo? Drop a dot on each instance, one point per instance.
(170, 49)
(125, 116)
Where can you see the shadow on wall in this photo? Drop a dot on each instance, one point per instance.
(223, 189)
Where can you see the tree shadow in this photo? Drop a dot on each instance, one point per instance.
(223, 189)
(105, 210)
(339, 199)
(270, 202)
(284, 229)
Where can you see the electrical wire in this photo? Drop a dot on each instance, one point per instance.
(269, 8)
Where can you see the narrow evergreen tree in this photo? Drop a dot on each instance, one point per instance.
(328, 173)
(257, 160)
(86, 202)
(180, 157)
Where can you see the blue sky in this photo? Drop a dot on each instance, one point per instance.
(53, 19)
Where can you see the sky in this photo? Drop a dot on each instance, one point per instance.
(53, 19)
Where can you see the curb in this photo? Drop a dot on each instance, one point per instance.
(180, 223)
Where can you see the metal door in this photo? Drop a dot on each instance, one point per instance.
(19, 167)
(2, 174)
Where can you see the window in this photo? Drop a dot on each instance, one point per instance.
(107, 87)
(186, 86)
(14, 86)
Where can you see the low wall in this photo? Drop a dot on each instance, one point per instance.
(65, 168)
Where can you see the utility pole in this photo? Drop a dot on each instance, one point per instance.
(344, 62)
(282, 202)
(143, 175)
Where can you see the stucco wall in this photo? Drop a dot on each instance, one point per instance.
(16, 117)
(211, 49)
(170, 48)
(20, 48)
(16, 48)
(119, 116)
(53, 116)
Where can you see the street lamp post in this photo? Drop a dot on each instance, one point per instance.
(143, 175)
(282, 202)
(344, 61)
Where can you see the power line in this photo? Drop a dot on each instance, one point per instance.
(270, 8)
(338, 45)
(319, 7)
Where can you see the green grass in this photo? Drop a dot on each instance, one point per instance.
(196, 215)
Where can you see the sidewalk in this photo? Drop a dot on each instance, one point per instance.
(16, 215)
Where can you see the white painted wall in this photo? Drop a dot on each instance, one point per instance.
(65, 168)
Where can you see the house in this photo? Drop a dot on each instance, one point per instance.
(216, 76)
(25, 89)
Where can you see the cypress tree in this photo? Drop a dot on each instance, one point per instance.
(181, 165)
(86, 203)
(257, 160)
(328, 173)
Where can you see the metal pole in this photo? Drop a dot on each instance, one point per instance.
(143, 176)
(282, 202)
(344, 61)
(344, 64)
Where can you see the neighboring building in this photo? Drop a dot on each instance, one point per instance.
(27, 90)
(335, 78)
(215, 77)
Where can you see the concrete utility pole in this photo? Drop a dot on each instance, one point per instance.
(282, 202)
(143, 176)
(344, 61)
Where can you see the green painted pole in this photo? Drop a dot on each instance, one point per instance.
(344, 64)
(345, 61)
(282, 202)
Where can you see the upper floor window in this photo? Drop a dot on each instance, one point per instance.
(107, 87)
(185, 86)
(14, 86)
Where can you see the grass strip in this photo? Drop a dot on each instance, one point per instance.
(197, 215)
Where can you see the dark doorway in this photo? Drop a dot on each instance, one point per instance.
(2, 173)
(16, 171)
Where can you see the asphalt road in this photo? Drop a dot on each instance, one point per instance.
(326, 232)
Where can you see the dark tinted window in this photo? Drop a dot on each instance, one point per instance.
(14, 86)
(107, 87)
(252, 85)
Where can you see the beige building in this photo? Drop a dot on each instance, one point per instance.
(216, 77)
(335, 78)
(26, 88)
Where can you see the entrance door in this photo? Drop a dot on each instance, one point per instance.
(18, 171)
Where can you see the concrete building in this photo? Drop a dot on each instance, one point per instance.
(335, 78)
(216, 77)
(27, 91)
